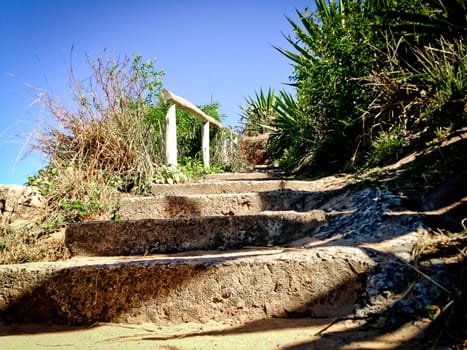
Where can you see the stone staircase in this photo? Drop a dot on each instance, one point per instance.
(233, 249)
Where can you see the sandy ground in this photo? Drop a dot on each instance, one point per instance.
(291, 334)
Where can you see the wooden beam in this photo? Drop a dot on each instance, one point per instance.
(187, 106)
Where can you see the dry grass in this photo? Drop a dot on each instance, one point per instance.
(448, 315)
(26, 245)
(111, 138)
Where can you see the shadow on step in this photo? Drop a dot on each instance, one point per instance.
(103, 289)
(240, 287)
(418, 320)
(399, 323)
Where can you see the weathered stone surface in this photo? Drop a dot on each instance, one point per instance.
(322, 282)
(253, 149)
(326, 185)
(170, 206)
(352, 255)
(149, 236)
(20, 206)
(239, 176)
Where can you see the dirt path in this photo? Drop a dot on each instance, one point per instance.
(290, 334)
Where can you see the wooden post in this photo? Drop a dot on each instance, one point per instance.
(205, 144)
(171, 137)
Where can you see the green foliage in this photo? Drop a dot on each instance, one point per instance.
(78, 210)
(443, 75)
(54, 222)
(281, 117)
(259, 113)
(368, 74)
(385, 148)
(421, 22)
(169, 175)
(193, 168)
(44, 181)
(293, 133)
(188, 169)
(189, 130)
(331, 52)
(149, 76)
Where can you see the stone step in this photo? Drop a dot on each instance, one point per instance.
(240, 176)
(331, 183)
(230, 287)
(169, 206)
(150, 236)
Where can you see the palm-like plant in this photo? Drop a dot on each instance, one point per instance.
(331, 51)
(335, 52)
(292, 133)
(259, 112)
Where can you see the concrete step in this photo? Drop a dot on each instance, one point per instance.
(229, 287)
(331, 183)
(149, 236)
(349, 253)
(240, 176)
(170, 206)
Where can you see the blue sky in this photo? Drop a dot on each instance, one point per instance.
(209, 50)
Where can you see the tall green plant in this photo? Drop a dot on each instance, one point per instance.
(259, 112)
(393, 42)
(443, 74)
(421, 21)
(418, 85)
(292, 132)
(332, 49)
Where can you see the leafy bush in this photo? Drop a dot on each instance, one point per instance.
(275, 127)
(293, 133)
(385, 148)
(367, 73)
(332, 51)
(189, 130)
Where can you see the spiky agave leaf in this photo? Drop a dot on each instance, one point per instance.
(291, 139)
(259, 112)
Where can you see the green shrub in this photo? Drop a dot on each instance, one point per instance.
(443, 75)
(365, 73)
(293, 133)
(331, 52)
(385, 148)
